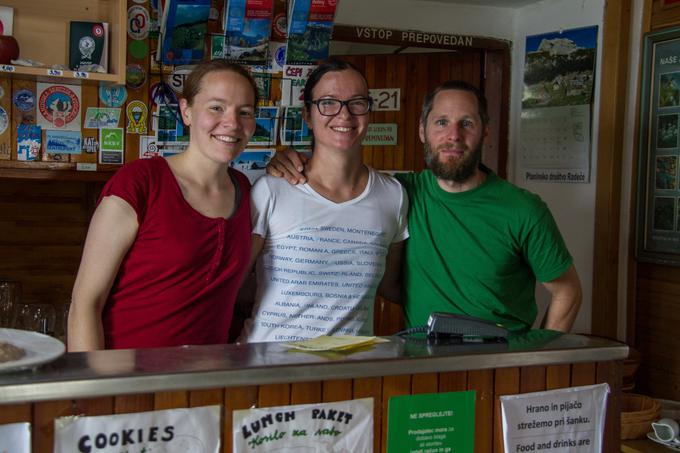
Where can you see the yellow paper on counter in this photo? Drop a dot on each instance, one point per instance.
(334, 343)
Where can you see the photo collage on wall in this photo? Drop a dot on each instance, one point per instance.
(666, 210)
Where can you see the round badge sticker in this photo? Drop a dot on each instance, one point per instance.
(138, 22)
(279, 28)
(112, 95)
(138, 49)
(161, 93)
(24, 100)
(280, 56)
(135, 76)
(4, 120)
(59, 105)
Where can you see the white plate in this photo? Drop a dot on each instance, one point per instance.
(39, 348)
(652, 436)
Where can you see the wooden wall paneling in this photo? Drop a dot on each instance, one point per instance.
(93, 406)
(6, 106)
(400, 80)
(379, 81)
(493, 90)
(18, 116)
(15, 413)
(371, 388)
(532, 379)
(42, 429)
(390, 116)
(482, 382)
(336, 390)
(421, 86)
(663, 17)
(506, 382)
(557, 376)
(236, 398)
(582, 374)
(206, 397)
(424, 383)
(89, 94)
(453, 381)
(612, 120)
(369, 72)
(305, 392)
(611, 372)
(392, 386)
(171, 400)
(141, 402)
(411, 106)
(273, 395)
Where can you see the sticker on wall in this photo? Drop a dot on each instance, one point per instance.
(138, 22)
(63, 142)
(112, 95)
(59, 106)
(137, 114)
(24, 100)
(178, 77)
(90, 145)
(111, 145)
(98, 117)
(162, 93)
(138, 49)
(4, 120)
(148, 147)
(29, 139)
(135, 76)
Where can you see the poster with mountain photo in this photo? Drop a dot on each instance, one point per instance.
(555, 127)
(247, 27)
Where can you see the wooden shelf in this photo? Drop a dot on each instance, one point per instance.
(56, 171)
(41, 27)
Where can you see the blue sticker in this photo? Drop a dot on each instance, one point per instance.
(24, 100)
(280, 56)
(4, 120)
(162, 93)
(112, 95)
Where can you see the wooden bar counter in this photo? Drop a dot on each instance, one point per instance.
(269, 374)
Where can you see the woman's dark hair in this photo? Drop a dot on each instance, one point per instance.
(330, 65)
(192, 85)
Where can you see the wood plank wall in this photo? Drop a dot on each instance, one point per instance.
(657, 293)
(488, 384)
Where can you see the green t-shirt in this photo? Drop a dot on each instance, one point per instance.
(478, 252)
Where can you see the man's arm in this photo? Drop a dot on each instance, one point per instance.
(288, 164)
(565, 301)
(390, 285)
(112, 231)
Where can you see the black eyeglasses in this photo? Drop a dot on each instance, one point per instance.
(331, 107)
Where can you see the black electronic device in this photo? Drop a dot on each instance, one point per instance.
(467, 328)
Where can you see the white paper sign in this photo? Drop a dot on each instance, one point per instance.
(315, 428)
(195, 430)
(385, 99)
(15, 438)
(564, 420)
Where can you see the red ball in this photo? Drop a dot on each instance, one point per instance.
(9, 49)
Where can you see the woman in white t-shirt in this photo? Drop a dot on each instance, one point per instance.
(326, 246)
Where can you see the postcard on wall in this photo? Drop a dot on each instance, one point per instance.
(88, 46)
(99, 117)
(310, 27)
(29, 141)
(294, 130)
(169, 126)
(59, 106)
(63, 142)
(266, 123)
(183, 28)
(247, 25)
(253, 162)
(111, 145)
(555, 125)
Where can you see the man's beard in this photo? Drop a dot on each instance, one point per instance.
(456, 170)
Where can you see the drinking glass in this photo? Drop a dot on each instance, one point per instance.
(9, 297)
(36, 317)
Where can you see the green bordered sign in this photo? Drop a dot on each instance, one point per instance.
(381, 134)
(433, 423)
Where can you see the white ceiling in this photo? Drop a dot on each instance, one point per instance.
(499, 3)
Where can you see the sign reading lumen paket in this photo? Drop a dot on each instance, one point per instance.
(343, 426)
(432, 423)
(564, 420)
(195, 430)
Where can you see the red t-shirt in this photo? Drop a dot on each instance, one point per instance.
(178, 282)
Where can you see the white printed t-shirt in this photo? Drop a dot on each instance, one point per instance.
(322, 261)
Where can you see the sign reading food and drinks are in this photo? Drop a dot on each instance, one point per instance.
(565, 420)
(339, 426)
(432, 422)
(195, 430)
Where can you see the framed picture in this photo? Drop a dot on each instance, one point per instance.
(658, 202)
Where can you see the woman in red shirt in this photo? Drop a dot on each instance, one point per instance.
(169, 242)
